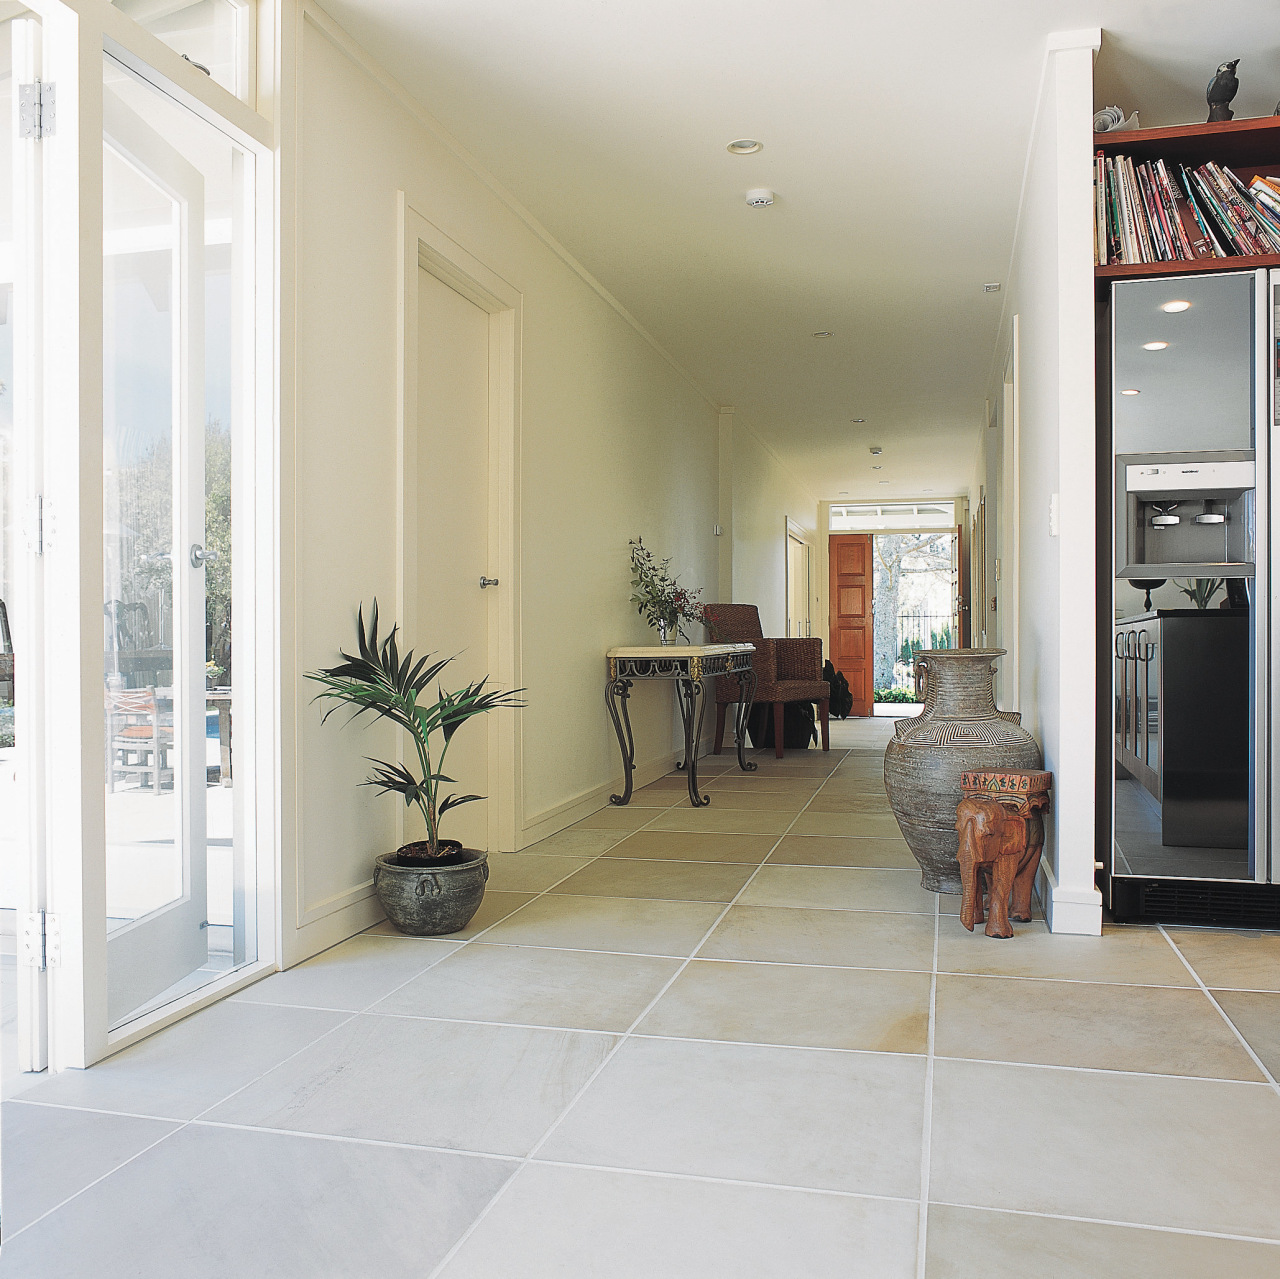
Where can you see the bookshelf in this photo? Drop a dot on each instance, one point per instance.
(1238, 144)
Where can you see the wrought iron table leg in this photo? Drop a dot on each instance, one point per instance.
(691, 695)
(616, 694)
(746, 695)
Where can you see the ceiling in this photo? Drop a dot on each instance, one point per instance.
(894, 136)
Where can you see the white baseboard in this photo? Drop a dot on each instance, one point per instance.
(1069, 910)
(311, 938)
(552, 820)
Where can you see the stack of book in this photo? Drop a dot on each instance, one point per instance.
(1158, 212)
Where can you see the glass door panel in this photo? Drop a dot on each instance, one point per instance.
(173, 195)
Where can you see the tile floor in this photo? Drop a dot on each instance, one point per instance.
(736, 1041)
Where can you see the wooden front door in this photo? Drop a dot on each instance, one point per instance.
(851, 629)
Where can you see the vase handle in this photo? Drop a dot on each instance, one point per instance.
(922, 678)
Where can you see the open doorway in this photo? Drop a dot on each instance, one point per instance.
(914, 591)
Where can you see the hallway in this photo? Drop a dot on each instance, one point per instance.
(737, 1041)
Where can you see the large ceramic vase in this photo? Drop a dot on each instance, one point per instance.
(958, 730)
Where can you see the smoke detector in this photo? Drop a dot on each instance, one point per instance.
(759, 197)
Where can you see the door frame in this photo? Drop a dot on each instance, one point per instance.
(67, 764)
(425, 246)
(795, 533)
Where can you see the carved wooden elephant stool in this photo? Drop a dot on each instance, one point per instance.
(1001, 838)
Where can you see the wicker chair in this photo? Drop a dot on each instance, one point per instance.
(787, 670)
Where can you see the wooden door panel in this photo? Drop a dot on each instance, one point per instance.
(851, 605)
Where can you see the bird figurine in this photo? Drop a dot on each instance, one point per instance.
(1222, 88)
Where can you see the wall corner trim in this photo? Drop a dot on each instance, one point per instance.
(1086, 38)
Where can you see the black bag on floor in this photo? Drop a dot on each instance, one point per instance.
(799, 726)
(841, 696)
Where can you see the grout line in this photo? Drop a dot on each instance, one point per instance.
(1235, 1030)
(97, 1180)
(926, 1127)
(1271, 1240)
(460, 1243)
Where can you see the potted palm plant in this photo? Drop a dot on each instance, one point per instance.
(429, 886)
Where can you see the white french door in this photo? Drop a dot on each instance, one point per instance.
(153, 561)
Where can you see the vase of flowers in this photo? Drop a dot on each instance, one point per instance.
(658, 596)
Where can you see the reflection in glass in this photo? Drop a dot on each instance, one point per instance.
(173, 191)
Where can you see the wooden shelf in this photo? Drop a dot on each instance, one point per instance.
(1199, 266)
(1252, 145)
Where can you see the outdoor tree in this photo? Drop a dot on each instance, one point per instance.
(899, 559)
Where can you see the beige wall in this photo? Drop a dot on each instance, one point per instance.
(615, 442)
(765, 494)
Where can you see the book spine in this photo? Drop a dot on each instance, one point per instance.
(1171, 241)
(1099, 233)
(1115, 248)
(1266, 229)
(1241, 217)
(1214, 210)
(1172, 216)
(1201, 220)
(1198, 245)
(1151, 214)
(1146, 251)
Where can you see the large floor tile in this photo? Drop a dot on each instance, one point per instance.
(575, 842)
(351, 975)
(853, 802)
(772, 800)
(188, 1067)
(1013, 1246)
(787, 1116)
(763, 821)
(530, 985)
(1230, 959)
(616, 817)
(686, 846)
(571, 1223)
(1256, 1016)
(1127, 955)
(1103, 1026)
(50, 1153)
(495, 906)
(669, 880)
(856, 939)
(1186, 1153)
(521, 873)
(209, 1203)
(840, 888)
(875, 825)
(631, 925)
(760, 783)
(832, 850)
(790, 1005)
(492, 1089)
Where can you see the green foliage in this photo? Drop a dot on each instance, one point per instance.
(895, 695)
(217, 537)
(658, 596)
(1201, 590)
(381, 682)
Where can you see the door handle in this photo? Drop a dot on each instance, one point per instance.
(488, 581)
(201, 557)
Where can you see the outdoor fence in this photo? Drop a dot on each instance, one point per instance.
(916, 630)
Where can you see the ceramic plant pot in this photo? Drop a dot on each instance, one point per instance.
(958, 730)
(431, 900)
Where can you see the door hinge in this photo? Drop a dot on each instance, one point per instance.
(40, 945)
(36, 109)
(39, 525)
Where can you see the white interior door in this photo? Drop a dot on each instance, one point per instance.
(153, 538)
(799, 593)
(452, 609)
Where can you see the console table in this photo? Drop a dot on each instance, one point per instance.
(688, 666)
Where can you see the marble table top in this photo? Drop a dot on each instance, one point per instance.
(680, 650)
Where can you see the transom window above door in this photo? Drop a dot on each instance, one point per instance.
(216, 35)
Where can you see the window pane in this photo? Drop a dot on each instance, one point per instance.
(211, 33)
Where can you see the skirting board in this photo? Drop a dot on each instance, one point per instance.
(1066, 911)
(553, 820)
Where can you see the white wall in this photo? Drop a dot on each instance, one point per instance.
(615, 442)
(765, 495)
(1050, 290)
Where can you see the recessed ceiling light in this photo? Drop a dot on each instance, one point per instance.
(744, 146)
(926, 490)
(857, 420)
(1130, 391)
(844, 493)
(1174, 307)
(826, 333)
(1154, 346)
(877, 468)
(876, 450)
(884, 481)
